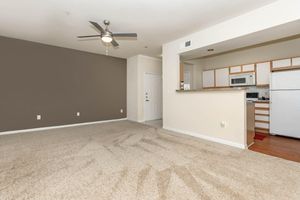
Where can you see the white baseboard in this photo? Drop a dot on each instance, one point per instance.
(205, 137)
(134, 120)
(60, 126)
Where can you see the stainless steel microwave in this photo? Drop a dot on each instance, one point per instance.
(246, 79)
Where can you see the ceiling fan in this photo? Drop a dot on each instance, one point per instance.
(106, 35)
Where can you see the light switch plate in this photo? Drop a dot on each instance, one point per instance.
(78, 114)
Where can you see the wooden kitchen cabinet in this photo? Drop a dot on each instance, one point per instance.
(263, 72)
(250, 123)
(222, 77)
(235, 69)
(286, 64)
(296, 62)
(248, 68)
(262, 117)
(281, 64)
(208, 79)
(242, 69)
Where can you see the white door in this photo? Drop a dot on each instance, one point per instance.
(153, 97)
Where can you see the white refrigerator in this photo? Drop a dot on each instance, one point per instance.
(285, 103)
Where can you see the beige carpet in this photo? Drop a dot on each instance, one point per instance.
(126, 160)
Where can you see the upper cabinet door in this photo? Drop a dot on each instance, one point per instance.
(296, 62)
(222, 77)
(283, 63)
(248, 68)
(209, 79)
(263, 71)
(235, 69)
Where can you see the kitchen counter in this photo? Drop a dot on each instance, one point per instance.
(212, 90)
(259, 101)
(262, 101)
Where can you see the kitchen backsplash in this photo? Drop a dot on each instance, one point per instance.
(263, 92)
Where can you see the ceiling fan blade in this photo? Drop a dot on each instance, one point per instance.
(124, 34)
(88, 36)
(114, 43)
(98, 27)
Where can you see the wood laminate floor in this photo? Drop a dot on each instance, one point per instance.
(278, 146)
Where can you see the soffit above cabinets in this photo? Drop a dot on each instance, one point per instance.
(270, 36)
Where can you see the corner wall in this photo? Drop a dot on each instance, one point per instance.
(200, 114)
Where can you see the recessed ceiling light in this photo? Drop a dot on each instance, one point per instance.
(210, 50)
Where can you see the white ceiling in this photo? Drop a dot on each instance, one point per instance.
(58, 22)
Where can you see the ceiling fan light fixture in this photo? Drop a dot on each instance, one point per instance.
(106, 35)
(106, 38)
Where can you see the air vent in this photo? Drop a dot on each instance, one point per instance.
(188, 43)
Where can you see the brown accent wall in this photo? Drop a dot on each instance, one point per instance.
(56, 83)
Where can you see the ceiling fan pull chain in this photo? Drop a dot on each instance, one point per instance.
(106, 49)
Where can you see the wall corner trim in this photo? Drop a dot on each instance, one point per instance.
(60, 126)
(208, 138)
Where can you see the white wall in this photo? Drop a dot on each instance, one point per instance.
(196, 74)
(137, 66)
(132, 88)
(189, 68)
(278, 13)
(200, 113)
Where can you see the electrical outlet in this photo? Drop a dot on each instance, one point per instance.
(223, 124)
(121, 111)
(38, 117)
(78, 114)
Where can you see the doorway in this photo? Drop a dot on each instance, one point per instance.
(152, 97)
